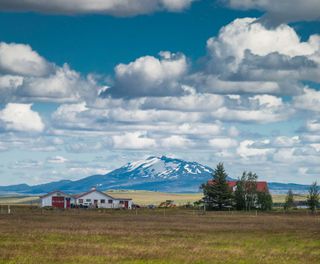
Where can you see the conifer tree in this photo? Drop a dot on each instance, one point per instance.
(217, 193)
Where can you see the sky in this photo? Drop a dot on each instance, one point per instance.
(88, 86)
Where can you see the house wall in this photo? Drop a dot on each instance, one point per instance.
(46, 201)
(95, 196)
(115, 203)
(118, 204)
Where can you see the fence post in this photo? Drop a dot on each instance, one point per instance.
(9, 210)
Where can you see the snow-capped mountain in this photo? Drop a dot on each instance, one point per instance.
(154, 173)
(165, 168)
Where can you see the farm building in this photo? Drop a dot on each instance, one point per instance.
(90, 199)
(57, 199)
(262, 186)
(97, 199)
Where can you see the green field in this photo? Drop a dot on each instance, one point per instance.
(31, 235)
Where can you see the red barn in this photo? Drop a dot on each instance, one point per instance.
(56, 199)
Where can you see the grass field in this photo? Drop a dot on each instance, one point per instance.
(141, 197)
(30, 200)
(157, 236)
(147, 197)
(280, 198)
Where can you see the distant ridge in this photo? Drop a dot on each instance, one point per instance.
(163, 174)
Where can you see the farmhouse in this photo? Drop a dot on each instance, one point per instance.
(262, 186)
(90, 199)
(97, 199)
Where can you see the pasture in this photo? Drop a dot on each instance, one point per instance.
(32, 235)
(141, 197)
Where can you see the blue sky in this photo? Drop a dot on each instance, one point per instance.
(89, 87)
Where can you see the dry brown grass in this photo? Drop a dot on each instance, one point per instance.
(179, 236)
(142, 197)
(156, 198)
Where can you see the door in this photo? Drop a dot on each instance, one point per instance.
(95, 202)
(126, 204)
(57, 201)
(68, 205)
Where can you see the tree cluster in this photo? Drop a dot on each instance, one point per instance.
(289, 202)
(313, 197)
(245, 196)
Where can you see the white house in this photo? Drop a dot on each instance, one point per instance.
(97, 199)
(57, 199)
(91, 199)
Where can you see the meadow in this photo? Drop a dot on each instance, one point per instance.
(141, 197)
(32, 235)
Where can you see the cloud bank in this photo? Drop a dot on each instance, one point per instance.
(252, 100)
(120, 8)
(283, 11)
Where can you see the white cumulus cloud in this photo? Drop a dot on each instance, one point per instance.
(134, 140)
(246, 34)
(150, 76)
(20, 59)
(308, 100)
(223, 143)
(20, 117)
(25, 76)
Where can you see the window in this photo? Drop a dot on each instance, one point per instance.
(81, 201)
(110, 201)
(88, 200)
(102, 201)
(121, 202)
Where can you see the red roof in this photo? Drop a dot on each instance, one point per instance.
(262, 186)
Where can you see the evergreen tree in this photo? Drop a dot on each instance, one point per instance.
(313, 197)
(289, 203)
(217, 193)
